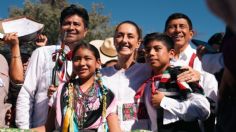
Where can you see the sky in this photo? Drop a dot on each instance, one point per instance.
(150, 15)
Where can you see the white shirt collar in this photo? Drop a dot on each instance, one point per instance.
(66, 48)
(190, 49)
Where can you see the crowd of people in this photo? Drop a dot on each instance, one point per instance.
(161, 82)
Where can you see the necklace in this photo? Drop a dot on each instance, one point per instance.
(79, 103)
(87, 98)
(85, 102)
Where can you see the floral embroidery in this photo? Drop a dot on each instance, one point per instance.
(129, 111)
(134, 111)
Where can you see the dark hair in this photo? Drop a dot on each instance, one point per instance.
(90, 47)
(178, 16)
(216, 39)
(74, 10)
(24, 57)
(139, 31)
(168, 42)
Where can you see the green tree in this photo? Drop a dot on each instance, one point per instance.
(100, 27)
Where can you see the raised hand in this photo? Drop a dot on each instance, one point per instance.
(11, 39)
(51, 90)
(41, 40)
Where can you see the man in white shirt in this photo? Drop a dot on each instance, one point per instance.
(32, 102)
(179, 27)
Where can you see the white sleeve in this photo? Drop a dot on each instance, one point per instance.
(25, 100)
(4, 89)
(197, 65)
(23, 109)
(210, 86)
(195, 107)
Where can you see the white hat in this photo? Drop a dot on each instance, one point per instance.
(106, 49)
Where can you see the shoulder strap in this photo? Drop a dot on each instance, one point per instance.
(191, 62)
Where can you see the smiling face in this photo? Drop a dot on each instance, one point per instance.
(180, 32)
(74, 27)
(126, 39)
(85, 63)
(158, 56)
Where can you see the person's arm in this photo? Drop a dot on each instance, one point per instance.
(51, 90)
(4, 88)
(25, 98)
(195, 107)
(210, 86)
(41, 40)
(16, 66)
(113, 123)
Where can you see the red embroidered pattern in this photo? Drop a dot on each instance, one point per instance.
(132, 111)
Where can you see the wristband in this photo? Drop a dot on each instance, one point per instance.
(15, 57)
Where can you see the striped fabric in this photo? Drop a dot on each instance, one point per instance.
(168, 84)
(60, 73)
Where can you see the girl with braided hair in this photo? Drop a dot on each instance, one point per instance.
(83, 103)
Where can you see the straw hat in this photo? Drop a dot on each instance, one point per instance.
(106, 49)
